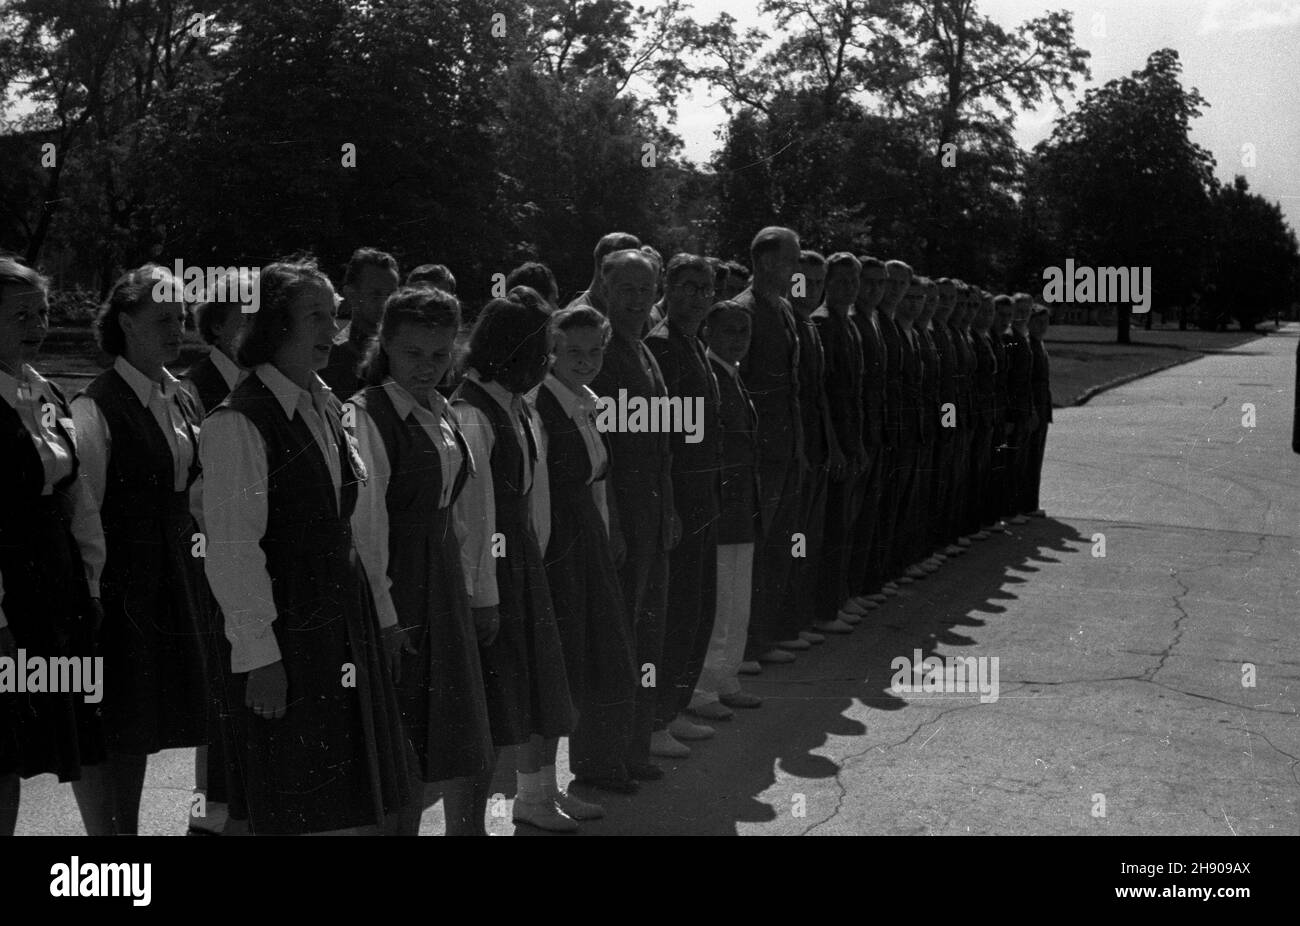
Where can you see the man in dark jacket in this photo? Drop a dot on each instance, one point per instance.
(697, 467)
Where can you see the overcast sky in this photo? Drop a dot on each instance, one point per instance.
(1243, 56)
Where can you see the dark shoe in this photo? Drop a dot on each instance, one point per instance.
(647, 772)
(741, 699)
(612, 785)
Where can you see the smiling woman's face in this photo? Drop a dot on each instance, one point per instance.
(419, 356)
(24, 317)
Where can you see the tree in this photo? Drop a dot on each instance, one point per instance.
(1255, 266)
(1121, 184)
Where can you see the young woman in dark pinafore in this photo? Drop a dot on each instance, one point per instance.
(582, 556)
(417, 461)
(523, 662)
(321, 744)
(45, 605)
(137, 434)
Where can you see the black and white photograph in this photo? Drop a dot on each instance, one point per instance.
(651, 418)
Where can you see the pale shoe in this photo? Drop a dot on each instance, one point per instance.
(851, 619)
(777, 656)
(683, 729)
(835, 626)
(797, 644)
(712, 710)
(664, 745)
(915, 572)
(813, 638)
(749, 667)
(954, 550)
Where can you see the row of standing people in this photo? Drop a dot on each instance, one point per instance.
(586, 610)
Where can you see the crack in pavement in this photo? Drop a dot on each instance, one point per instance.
(846, 761)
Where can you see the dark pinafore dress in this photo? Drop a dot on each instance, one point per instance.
(441, 689)
(523, 670)
(153, 589)
(46, 602)
(599, 646)
(338, 758)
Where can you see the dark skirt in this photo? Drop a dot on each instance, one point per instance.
(47, 606)
(599, 648)
(339, 757)
(153, 592)
(441, 687)
(523, 670)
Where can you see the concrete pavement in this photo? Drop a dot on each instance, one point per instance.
(1121, 706)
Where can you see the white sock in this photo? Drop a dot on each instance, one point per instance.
(530, 788)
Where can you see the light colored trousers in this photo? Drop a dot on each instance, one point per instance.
(730, 626)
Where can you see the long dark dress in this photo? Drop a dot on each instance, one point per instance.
(338, 758)
(441, 688)
(46, 602)
(523, 670)
(152, 588)
(599, 646)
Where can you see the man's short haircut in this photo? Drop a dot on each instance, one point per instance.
(770, 239)
(533, 274)
(840, 260)
(898, 270)
(812, 259)
(729, 305)
(614, 241)
(617, 259)
(367, 257)
(1002, 299)
(681, 263)
(875, 262)
(13, 273)
(737, 269)
(1040, 310)
(437, 275)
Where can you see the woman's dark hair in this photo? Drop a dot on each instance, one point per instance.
(213, 312)
(279, 284)
(133, 291)
(510, 338)
(12, 273)
(425, 306)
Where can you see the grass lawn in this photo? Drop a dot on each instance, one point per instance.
(1084, 357)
